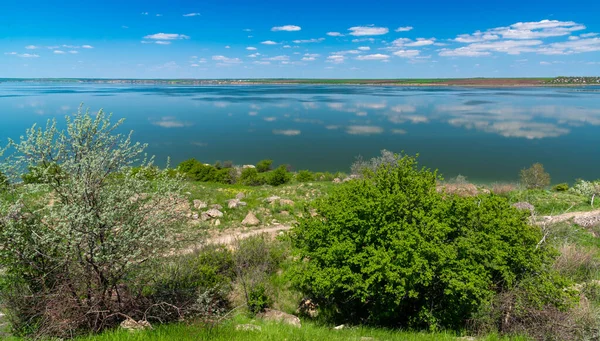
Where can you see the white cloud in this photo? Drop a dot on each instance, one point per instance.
(545, 63)
(306, 41)
(404, 29)
(287, 47)
(335, 34)
(288, 28)
(226, 60)
(192, 15)
(10, 53)
(258, 62)
(361, 40)
(359, 31)
(476, 37)
(32, 47)
(73, 52)
(166, 36)
(421, 42)
(144, 13)
(87, 47)
(162, 42)
(512, 47)
(588, 35)
(227, 47)
(407, 53)
(573, 46)
(251, 48)
(309, 57)
(159, 15)
(27, 55)
(59, 52)
(377, 56)
(336, 59)
(348, 52)
(269, 42)
(254, 55)
(523, 30)
(278, 58)
(364, 48)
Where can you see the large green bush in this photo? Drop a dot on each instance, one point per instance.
(389, 250)
(305, 176)
(251, 177)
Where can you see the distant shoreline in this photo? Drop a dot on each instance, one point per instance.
(458, 82)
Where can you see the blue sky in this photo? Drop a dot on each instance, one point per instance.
(302, 39)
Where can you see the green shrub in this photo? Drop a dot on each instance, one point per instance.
(224, 176)
(228, 164)
(187, 165)
(561, 187)
(250, 177)
(264, 166)
(196, 284)
(204, 173)
(279, 176)
(535, 177)
(305, 176)
(258, 299)
(389, 250)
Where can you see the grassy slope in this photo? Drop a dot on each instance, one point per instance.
(273, 331)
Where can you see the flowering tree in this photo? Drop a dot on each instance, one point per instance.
(69, 243)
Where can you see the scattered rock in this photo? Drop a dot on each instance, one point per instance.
(524, 206)
(284, 213)
(587, 221)
(467, 338)
(204, 217)
(248, 166)
(217, 222)
(275, 222)
(235, 203)
(337, 181)
(216, 207)
(214, 213)
(308, 308)
(367, 338)
(248, 327)
(132, 325)
(195, 216)
(286, 202)
(341, 326)
(272, 199)
(250, 220)
(199, 204)
(313, 212)
(280, 316)
(240, 196)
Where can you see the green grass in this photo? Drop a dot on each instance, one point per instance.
(552, 203)
(273, 331)
(299, 193)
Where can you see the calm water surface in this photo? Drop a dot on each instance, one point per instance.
(484, 134)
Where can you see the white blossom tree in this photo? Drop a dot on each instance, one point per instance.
(70, 248)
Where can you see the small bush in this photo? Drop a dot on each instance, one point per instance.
(228, 164)
(561, 187)
(224, 176)
(187, 165)
(279, 176)
(251, 177)
(588, 189)
(201, 172)
(264, 166)
(305, 176)
(503, 189)
(535, 177)
(258, 299)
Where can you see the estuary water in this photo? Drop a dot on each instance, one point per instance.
(485, 134)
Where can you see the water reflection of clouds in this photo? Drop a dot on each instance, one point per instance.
(522, 122)
(287, 132)
(170, 122)
(363, 130)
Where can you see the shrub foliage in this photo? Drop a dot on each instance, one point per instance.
(535, 177)
(389, 250)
